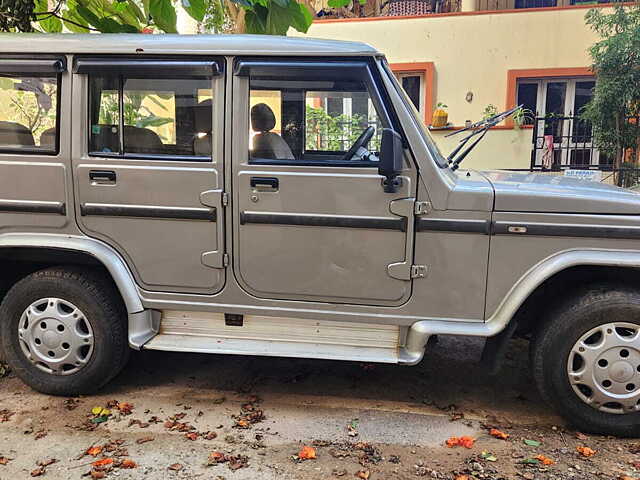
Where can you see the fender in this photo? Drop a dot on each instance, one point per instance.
(142, 323)
(420, 332)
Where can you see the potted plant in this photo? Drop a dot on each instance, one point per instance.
(440, 116)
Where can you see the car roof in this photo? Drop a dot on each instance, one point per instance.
(106, 43)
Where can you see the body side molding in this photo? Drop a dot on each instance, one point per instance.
(142, 323)
(420, 331)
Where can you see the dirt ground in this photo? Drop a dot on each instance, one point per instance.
(183, 416)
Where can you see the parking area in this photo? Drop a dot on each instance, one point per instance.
(213, 417)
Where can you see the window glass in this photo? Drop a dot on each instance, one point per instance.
(411, 85)
(313, 122)
(171, 117)
(28, 113)
(528, 98)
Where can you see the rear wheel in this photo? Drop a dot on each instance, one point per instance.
(64, 331)
(586, 360)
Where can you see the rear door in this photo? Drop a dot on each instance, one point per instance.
(148, 165)
(310, 223)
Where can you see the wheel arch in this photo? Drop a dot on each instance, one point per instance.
(92, 250)
(580, 267)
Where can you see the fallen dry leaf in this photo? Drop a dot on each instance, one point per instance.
(363, 474)
(462, 476)
(625, 477)
(5, 415)
(40, 434)
(97, 474)
(494, 432)
(125, 408)
(586, 451)
(191, 436)
(38, 472)
(176, 467)
(128, 463)
(94, 451)
(4, 460)
(103, 462)
(307, 453)
(544, 460)
(466, 442)
(209, 435)
(146, 439)
(47, 462)
(581, 436)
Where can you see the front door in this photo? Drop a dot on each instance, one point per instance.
(148, 166)
(311, 219)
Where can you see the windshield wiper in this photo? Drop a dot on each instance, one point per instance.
(479, 128)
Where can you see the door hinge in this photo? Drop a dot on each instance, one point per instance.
(422, 208)
(225, 199)
(418, 271)
(225, 260)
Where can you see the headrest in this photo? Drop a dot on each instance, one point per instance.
(262, 118)
(203, 115)
(15, 134)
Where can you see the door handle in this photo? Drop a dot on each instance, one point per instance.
(269, 184)
(102, 177)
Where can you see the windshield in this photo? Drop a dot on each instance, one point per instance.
(422, 128)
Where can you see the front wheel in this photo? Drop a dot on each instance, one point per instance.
(586, 360)
(64, 331)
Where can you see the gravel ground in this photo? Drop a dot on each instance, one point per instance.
(189, 416)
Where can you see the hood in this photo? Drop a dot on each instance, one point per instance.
(539, 192)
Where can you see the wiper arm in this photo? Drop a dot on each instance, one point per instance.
(479, 128)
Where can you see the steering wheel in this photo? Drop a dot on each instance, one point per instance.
(364, 138)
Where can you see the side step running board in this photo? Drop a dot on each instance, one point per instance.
(205, 332)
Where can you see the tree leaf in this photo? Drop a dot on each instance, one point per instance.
(195, 8)
(278, 20)
(301, 18)
(49, 23)
(532, 443)
(338, 3)
(164, 15)
(282, 3)
(255, 22)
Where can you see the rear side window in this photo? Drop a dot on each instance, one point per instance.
(168, 117)
(28, 113)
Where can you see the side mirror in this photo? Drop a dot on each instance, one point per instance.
(391, 160)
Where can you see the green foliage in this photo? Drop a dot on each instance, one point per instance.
(343, 3)
(489, 111)
(629, 175)
(616, 96)
(16, 15)
(272, 17)
(275, 17)
(523, 116)
(334, 133)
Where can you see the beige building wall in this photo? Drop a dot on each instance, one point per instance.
(472, 52)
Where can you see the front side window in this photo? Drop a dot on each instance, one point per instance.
(151, 117)
(28, 113)
(311, 122)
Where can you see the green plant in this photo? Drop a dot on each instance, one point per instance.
(616, 95)
(489, 111)
(273, 17)
(523, 116)
(334, 133)
(441, 105)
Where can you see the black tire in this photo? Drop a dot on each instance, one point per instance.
(96, 296)
(568, 322)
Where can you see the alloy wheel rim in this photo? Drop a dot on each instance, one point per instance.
(55, 336)
(604, 368)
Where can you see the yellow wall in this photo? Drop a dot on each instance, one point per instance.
(473, 53)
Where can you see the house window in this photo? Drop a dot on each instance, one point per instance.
(413, 85)
(559, 97)
(563, 139)
(535, 3)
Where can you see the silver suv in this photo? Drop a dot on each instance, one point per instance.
(278, 196)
